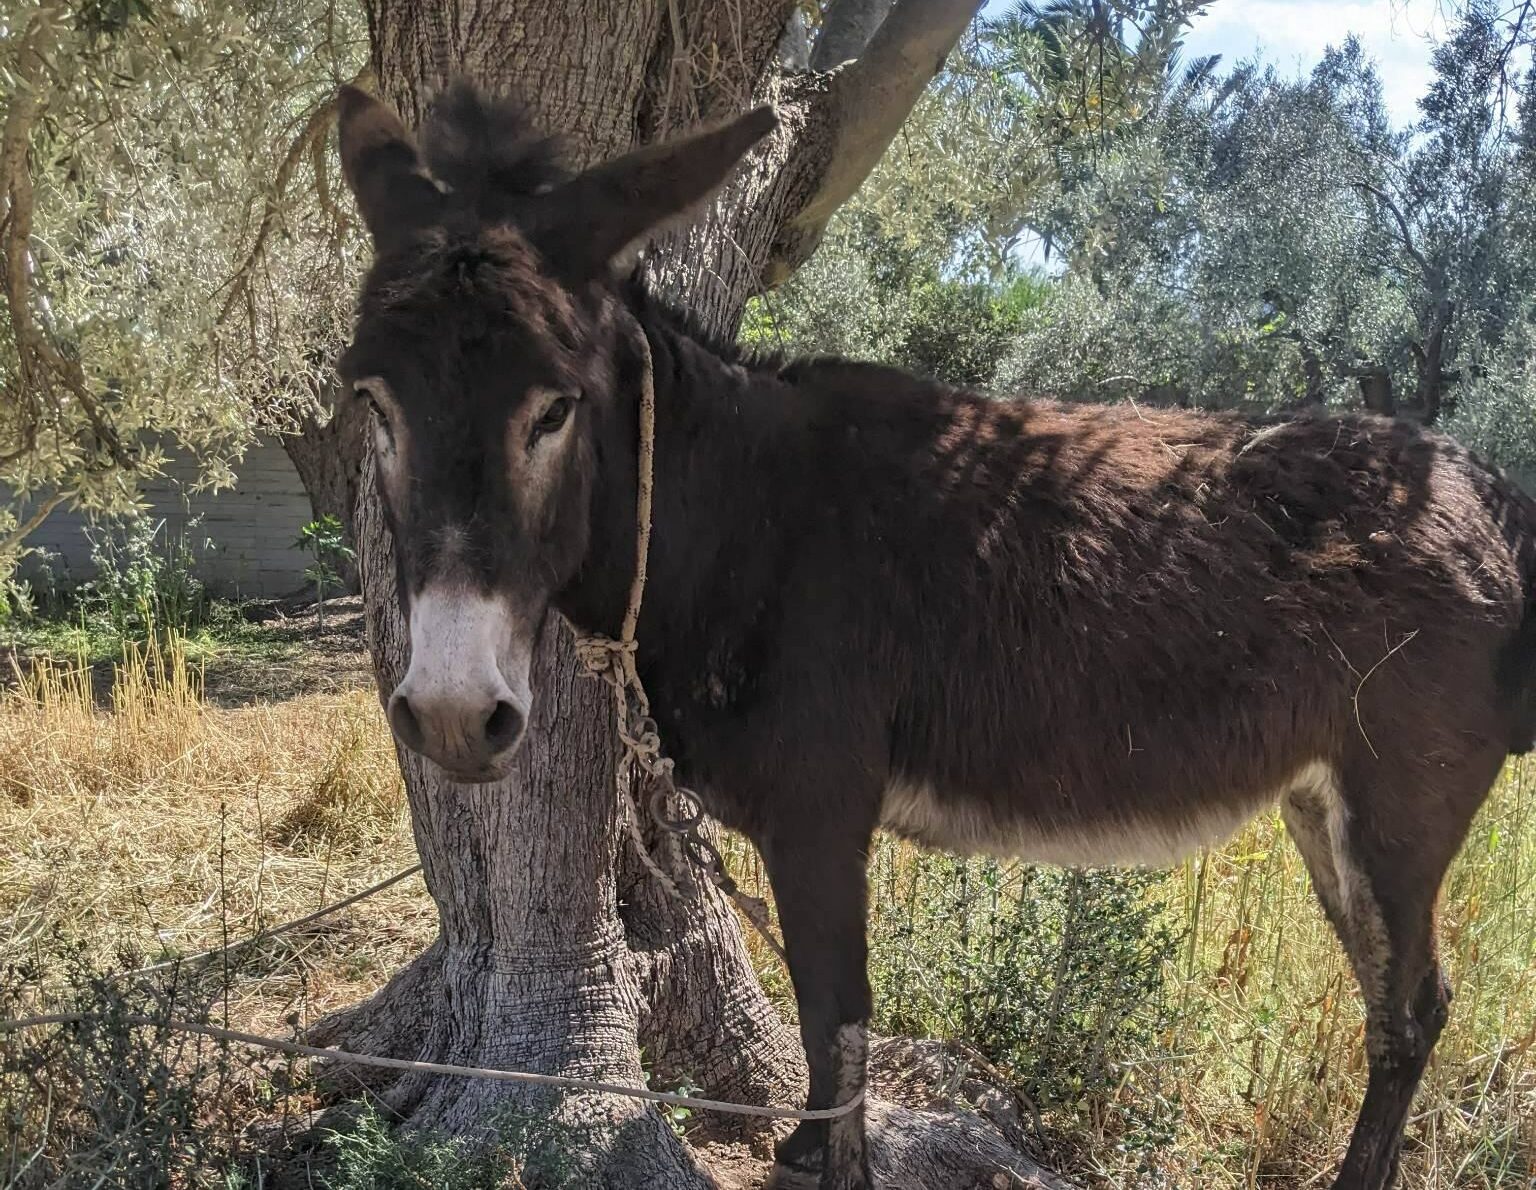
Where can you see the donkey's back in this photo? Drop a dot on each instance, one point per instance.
(1117, 633)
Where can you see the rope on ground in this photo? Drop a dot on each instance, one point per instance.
(613, 661)
(514, 1076)
(202, 956)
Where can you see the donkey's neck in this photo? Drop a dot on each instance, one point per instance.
(716, 418)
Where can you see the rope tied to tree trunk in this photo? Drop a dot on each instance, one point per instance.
(613, 662)
(591, 1086)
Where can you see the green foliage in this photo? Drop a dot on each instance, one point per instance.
(145, 583)
(1262, 242)
(675, 1114)
(324, 541)
(1055, 976)
(144, 588)
(954, 329)
(533, 1149)
(107, 1101)
(1496, 407)
(181, 289)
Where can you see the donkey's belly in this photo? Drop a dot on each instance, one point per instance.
(1027, 829)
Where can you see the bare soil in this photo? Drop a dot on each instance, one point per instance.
(294, 651)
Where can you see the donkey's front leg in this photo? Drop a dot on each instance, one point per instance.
(819, 885)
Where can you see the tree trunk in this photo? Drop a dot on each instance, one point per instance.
(329, 481)
(1376, 391)
(1316, 392)
(538, 967)
(531, 969)
(1429, 364)
(328, 472)
(558, 951)
(846, 28)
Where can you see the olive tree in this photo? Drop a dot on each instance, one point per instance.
(160, 290)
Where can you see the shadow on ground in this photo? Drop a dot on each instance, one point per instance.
(285, 652)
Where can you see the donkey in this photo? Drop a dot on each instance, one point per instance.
(1069, 633)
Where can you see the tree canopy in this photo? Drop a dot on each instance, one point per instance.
(1217, 235)
(175, 267)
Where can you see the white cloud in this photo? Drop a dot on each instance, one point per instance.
(1293, 34)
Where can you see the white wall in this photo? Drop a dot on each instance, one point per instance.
(251, 527)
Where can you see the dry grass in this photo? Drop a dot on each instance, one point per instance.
(162, 825)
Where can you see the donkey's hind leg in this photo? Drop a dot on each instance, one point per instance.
(1378, 880)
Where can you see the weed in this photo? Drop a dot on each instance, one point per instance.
(144, 583)
(325, 542)
(521, 1149)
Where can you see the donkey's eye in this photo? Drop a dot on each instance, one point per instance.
(555, 415)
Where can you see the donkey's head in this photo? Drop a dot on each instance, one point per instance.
(486, 353)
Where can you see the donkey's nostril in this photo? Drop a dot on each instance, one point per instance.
(403, 722)
(467, 736)
(504, 727)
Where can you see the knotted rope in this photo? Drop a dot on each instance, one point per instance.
(613, 662)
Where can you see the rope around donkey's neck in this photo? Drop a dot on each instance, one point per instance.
(613, 661)
(591, 1086)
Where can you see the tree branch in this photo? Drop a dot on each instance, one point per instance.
(41, 368)
(25, 529)
(872, 97)
(846, 29)
(310, 137)
(1406, 233)
(861, 108)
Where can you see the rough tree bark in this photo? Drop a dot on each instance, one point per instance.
(557, 951)
(1430, 372)
(329, 477)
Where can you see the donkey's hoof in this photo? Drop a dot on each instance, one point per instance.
(806, 1177)
(795, 1176)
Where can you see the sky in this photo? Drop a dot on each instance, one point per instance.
(1292, 34)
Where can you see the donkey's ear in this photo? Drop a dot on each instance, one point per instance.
(584, 225)
(383, 169)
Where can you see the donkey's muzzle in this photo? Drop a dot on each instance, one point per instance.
(470, 738)
(464, 699)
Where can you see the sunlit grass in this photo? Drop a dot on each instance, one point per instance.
(152, 824)
(159, 825)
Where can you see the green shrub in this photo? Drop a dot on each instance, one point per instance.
(145, 583)
(528, 1150)
(106, 1101)
(1055, 976)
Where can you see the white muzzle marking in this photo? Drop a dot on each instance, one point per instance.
(465, 697)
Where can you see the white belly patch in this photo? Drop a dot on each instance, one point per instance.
(961, 825)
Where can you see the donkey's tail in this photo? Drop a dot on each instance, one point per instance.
(1516, 667)
(1517, 682)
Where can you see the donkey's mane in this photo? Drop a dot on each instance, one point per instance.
(488, 152)
(657, 312)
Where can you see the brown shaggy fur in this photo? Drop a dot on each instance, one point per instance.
(1066, 632)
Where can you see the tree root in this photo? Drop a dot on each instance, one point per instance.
(939, 1120)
